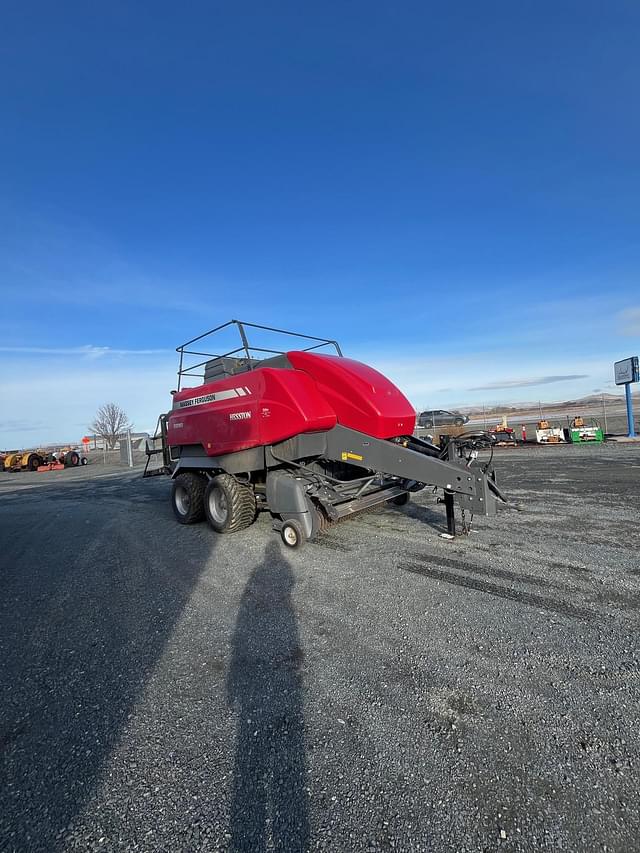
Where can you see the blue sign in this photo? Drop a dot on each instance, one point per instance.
(627, 370)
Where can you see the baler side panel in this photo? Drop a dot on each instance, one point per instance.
(260, 407)
(221, 416)
(362, 398)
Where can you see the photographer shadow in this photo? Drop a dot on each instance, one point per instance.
(269, 808)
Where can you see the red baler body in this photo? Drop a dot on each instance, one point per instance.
(270, 404)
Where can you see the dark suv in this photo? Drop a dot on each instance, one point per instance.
(439, 417)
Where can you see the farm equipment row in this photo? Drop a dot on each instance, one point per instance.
(309, 436)
(41, 460)
(577, 432)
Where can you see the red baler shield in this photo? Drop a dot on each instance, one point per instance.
(268, 404)
(361, 397)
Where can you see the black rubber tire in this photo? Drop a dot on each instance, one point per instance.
(459, 422)
(34, 462)
(187, 497)
(401, 500)
(292, 534)
(427, 424)
(71, 459)
(83, 460)
(320, 523)
(229, 505)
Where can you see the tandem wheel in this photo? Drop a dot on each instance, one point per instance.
(292, 534)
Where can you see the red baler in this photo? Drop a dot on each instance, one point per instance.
(309, 436)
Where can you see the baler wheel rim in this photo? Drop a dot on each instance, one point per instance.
(218, 506)
(229, 504)
(183, 501)
(187, 497)
(292, 534)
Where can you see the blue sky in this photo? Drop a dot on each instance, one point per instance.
(451, 190)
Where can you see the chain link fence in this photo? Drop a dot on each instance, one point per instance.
(128, 451)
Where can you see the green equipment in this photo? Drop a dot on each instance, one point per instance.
(579, 432)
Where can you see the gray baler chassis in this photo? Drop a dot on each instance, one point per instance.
(389, 469)
(313, 479)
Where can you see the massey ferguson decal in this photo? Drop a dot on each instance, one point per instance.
(231, 394)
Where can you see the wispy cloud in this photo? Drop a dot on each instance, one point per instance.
(87, 351)
(528, 382)
(629, 322)
(21, 426)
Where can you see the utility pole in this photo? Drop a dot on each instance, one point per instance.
(604, 412)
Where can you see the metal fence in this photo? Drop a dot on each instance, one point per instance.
(126, 449)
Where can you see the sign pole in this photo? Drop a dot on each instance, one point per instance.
(627, 393)
(625, 372)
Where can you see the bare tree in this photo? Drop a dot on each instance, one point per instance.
(110, 422)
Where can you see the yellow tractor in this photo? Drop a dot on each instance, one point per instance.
(31, 460)
(24, 460)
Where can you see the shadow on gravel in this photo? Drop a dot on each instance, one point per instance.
(92, 591)
(269, 809)
(426, 515)
(551, 605)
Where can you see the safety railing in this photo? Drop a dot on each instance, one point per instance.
(245, 349)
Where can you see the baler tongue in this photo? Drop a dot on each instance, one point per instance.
(417, 463)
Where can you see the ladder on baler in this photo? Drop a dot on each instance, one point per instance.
(151, 450)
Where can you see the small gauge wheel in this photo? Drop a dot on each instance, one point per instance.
(292, 534)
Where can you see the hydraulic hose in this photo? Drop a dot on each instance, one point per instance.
(417, 444)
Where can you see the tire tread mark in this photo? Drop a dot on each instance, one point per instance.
(325, 541)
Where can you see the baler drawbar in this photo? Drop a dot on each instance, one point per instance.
(308, 435)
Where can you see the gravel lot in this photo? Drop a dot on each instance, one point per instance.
(165, 689)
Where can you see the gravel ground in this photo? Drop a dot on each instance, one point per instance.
(165, 689)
